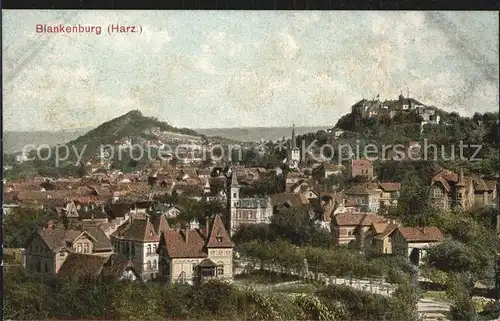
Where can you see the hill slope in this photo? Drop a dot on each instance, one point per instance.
(132, 125)
(444, 139)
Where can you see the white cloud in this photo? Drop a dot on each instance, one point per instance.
(308, 65)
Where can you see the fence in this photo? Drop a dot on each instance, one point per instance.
(372, 286)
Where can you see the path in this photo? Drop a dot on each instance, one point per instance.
(428, 309)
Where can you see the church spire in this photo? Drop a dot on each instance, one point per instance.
(234, 180)
(294, 143)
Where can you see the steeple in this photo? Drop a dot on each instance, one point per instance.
(234, 180)
(294, 143)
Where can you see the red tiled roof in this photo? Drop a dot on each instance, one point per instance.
(421, 234)
(291, 198)
(218, 236)
(137, 229)
(361, 163)
(390, 186)
(184, 244)
(192, 243)
(354, 219)
(447, 175)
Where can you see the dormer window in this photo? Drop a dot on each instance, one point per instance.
(219, 238)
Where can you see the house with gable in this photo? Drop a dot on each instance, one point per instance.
(47, 249)
(193, 255)
(413, 242)
(378, 239)
(449, 189)
(362, 168)
(137, 239)
(366, 199)
(351, 228)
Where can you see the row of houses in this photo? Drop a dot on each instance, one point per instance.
(133, 245)
(382, 235)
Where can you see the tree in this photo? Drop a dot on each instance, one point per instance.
(453, 256)
(459, 291)
(414, 205)
(403, 305)
(214, 298)
(20, 223)
(251, 232)
(289, 223)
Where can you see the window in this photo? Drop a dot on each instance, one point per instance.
(219, 239)
(220, 268)
(437, 192)
(349, 232)
(194, 267)
(79, 248)
(154, 264)
(46, 267)
(154, 249)
(149, 249)
(39, 266)
(86, 248)
(149, 265)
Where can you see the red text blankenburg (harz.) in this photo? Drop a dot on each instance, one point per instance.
(61, 28)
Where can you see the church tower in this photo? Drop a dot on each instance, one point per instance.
(293, 156)
(234, 197)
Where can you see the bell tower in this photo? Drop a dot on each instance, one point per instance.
(293, 156)
(234, 197)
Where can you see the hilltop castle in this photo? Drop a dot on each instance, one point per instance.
(372, 108)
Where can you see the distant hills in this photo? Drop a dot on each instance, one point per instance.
(253, 134)
(14, 142)
(134, 122)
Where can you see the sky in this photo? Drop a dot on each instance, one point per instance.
(221, 69)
